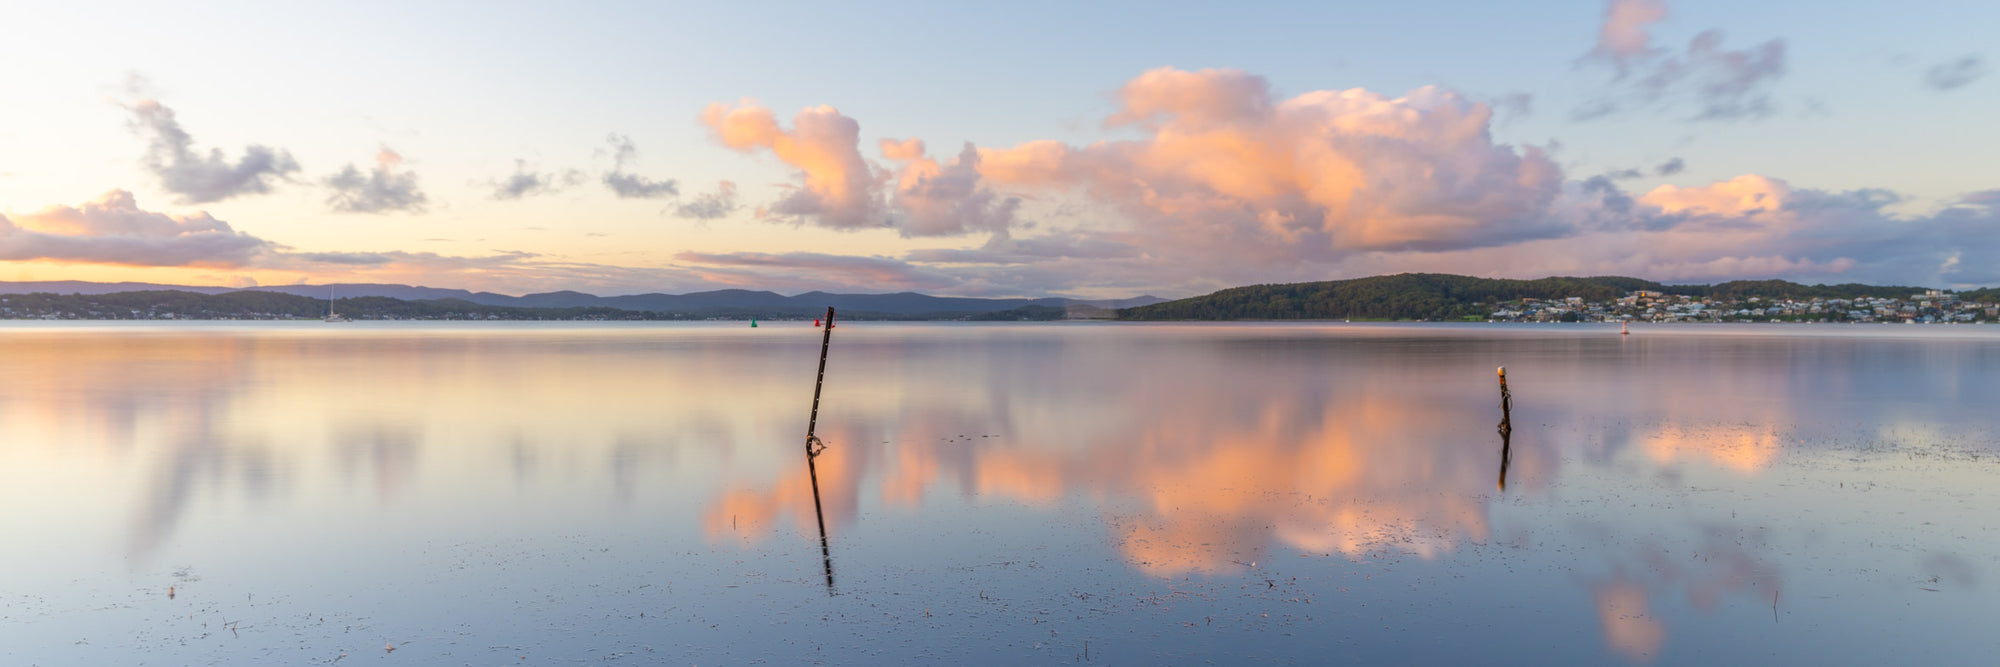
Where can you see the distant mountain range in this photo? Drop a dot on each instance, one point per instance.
(718, 302)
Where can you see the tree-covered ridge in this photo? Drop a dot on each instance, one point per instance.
(1438, 296)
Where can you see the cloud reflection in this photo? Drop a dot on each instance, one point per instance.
(178, 421)
(1191, 451)
(1721, 561)
(1329, 465)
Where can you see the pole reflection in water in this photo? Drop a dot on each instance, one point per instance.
(825, 551)
(1506, 428)
(814, 447)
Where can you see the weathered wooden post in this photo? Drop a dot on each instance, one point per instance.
(814, 446)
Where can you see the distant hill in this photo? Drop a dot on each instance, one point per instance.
(717, 303)
(1438, 296)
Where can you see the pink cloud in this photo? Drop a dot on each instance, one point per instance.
(1722, 83)
(934, 199)
(1215, 181)
(1222, 165)
(840, 190)
(112, 229)
(1623, 36)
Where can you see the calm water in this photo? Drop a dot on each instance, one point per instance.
(291, 493)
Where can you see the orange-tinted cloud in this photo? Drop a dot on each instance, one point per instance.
(112, 229)
(840, 189)
(1216, 182)
(934, 199)
(1746, 195)
(1224, 165)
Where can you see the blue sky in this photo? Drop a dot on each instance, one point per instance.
(1852, 143)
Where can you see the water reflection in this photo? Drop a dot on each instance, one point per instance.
(1186, 452)
(1334, 463)
(1720, 562)
(819, 516)
(1506, 428)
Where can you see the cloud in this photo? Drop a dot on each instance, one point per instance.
(1217, 192)
(1955, 74)
(1718, 83)
(347, 258)
(197, 178)
(1622, 37)
(1223, 166)
(1750, 226)
(628, 185)
(112, 229)
(1214, 182)
(807, 271)
(381, 190)
(1003, 248)
(1725, 84)
(710, 205)
(524, 183)
(1515, 105)
(1665, 168)
(1986, 198)
(503, 272)
(935, 199)
(840, 188)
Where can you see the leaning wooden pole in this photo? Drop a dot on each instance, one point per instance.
(814, 446)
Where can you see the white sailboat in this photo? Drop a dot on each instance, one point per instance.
(330, 315)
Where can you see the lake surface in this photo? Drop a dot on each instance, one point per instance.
(306, 493)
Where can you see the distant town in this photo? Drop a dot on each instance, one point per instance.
(1930, 307)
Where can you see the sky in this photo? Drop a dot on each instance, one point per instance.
(1092, 150)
